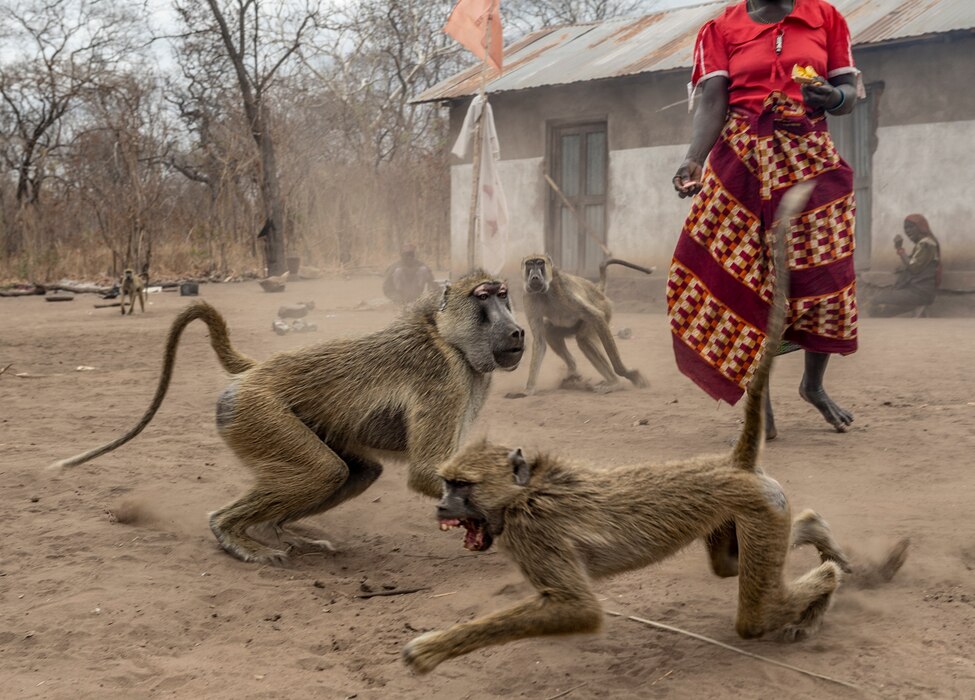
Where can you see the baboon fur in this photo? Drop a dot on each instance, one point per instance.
(312, 423)
(565, 525)
(132, 287)
(559, 306)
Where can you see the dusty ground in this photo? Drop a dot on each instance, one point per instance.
(90, 607)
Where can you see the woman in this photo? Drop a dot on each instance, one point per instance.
(755, 133)
(919, 276)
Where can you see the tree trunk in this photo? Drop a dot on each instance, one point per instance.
(257, 112)
(271, 194)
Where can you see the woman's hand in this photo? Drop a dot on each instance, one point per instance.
(821, 96)
(687, 181)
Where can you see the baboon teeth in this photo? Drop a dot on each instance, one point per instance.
(448, 524)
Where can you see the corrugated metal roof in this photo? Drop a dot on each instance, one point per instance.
(665, 41)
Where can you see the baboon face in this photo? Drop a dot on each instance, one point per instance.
(127, 275)
(479, 484)
(480, 324)
(537, 273)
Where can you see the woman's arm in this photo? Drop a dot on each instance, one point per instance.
(709, 119)
(838, 96)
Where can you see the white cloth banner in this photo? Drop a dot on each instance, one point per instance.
(492, 207)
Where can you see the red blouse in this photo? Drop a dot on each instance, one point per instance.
(758, 58)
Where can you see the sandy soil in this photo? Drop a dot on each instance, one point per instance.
(91, 607)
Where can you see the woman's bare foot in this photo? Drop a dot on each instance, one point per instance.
(836, 416)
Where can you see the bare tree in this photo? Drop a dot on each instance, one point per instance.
(117, 167)
(259, 40)
(62, 48)
(380, 54)
(528, 15)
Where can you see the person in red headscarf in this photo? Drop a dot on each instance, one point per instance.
(755, 133)
(919, 275)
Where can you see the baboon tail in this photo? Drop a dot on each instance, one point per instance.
(231, 360)
(616, 261)
(752, 436)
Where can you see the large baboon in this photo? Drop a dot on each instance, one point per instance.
(311, 423)
(560, 305)
(564, 526)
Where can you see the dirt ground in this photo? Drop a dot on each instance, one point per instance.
(91, 607)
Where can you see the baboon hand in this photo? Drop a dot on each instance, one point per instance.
(517, 395)
(423, 654)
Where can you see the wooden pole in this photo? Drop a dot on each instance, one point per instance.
(575, 213)
(475, 189)
(472, 218)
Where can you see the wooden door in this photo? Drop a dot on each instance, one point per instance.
(578, 160)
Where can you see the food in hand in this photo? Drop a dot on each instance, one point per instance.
(806, 75)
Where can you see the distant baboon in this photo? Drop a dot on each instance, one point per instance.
(133, 287)
(560, 305)
(312, 423)
(567, 525)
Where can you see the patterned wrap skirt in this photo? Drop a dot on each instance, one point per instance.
(719, 290)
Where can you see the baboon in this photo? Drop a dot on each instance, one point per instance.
(560, 305)
(312, 423)
(133, 287)
(566, 525)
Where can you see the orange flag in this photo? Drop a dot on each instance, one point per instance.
(469, 24)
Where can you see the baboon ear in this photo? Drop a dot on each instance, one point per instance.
(443, 297)
(520, 468)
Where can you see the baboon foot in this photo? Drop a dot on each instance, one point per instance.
(575, 382)
(607, 387)
(810, 528)
(797, 612)
(638, 379)
(303, 543)
(875, 574)
(422, 654)
(818, 585)
(290, 540)
(516, 395)
(838, 417)
(246, 548)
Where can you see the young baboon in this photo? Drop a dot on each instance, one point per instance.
(133, 287)
(560, 305)
(567, 525)
(312, 423)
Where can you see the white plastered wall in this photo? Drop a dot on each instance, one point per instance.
(524, 184)
(927, 169)
(645, 214)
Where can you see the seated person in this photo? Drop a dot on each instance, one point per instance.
(919, 275)
(407, 278)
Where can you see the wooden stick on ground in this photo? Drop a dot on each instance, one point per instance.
(564, 692)
(660, 625)
(397, 591)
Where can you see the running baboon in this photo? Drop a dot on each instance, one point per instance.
(133, 287)
(566, 525)
(311, 423)
(560, 305)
